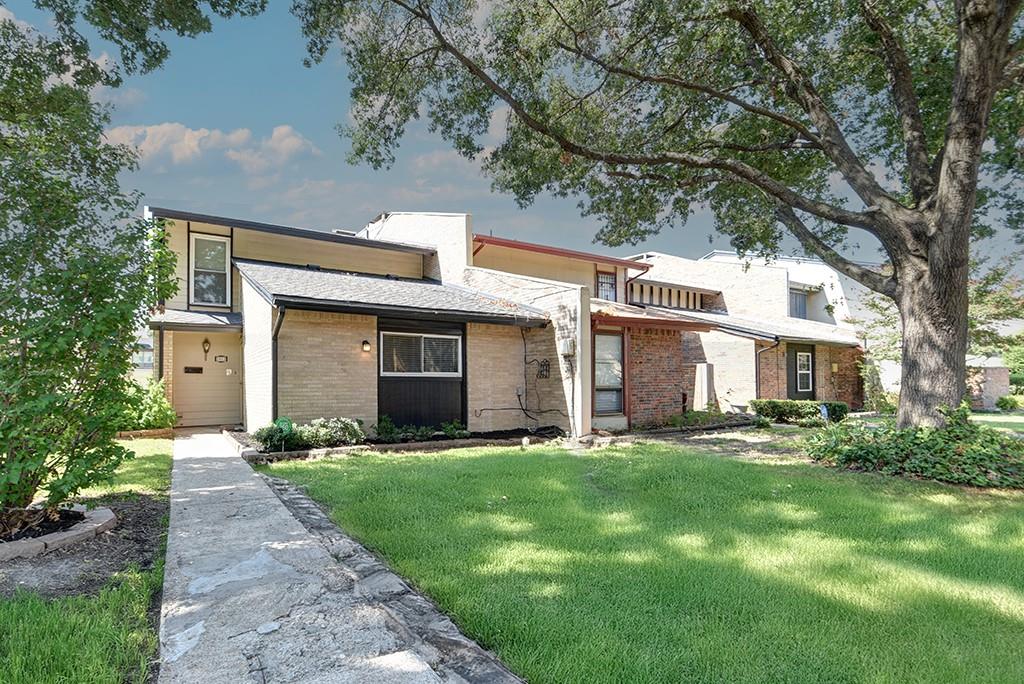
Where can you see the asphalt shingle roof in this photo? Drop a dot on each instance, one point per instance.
(213, 319)
(286, 283)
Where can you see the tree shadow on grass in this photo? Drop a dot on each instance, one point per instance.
(656, 564)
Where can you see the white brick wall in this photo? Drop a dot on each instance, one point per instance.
(256, 358)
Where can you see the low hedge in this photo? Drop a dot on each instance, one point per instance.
(961, 452)
(795, 410)
(320, 433)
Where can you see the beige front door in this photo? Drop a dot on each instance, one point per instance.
(208, 385)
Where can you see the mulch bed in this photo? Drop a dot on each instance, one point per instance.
(83, 568)
(66, 519)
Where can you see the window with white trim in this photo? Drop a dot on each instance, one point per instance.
(804, 373)
(210, 270)
(797, 304)
(607, 374)
(403, 354)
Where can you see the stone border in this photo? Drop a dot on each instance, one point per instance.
(96, 520)
(146, 434)
(433, 635)
(253, 456)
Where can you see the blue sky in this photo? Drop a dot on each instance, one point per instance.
(235, 125)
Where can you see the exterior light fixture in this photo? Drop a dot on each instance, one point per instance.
(366, 345)
(206, 347)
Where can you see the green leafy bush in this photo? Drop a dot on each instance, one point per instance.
(762, 423)
(322, 433)
(815, 422)
(417, 433)
(792, 410)
(1008, 403)
(961, 452)
(280, 435)
(454, 429)
(1017, 378)
(386, 430)
(148, 408)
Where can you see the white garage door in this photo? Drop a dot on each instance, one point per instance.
(207, 385)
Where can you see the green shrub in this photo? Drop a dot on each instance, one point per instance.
(1017, 378)
(417, 433)
(148, 408)
(1008, 403)
(961, 452)
(322, 433)
(454, 429)
(815, 422)
(386, 430)
(762, 423)
(792, 410)
(280, 435)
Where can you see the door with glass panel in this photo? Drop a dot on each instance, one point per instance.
(800, 371)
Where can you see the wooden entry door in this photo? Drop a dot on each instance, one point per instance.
(800, 371)
(207, 387)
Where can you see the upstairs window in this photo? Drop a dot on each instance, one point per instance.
(797, 304)
(210, 270)
(427, 355)
(606, 286)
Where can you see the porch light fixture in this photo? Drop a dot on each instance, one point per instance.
(366, 345)
(206, 347)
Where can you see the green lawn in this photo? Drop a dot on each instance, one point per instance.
(1002, 421)
(654, 563)
(103, 638)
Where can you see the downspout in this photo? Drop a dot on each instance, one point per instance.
(627, 403)
(757, 366)
(160, 366)
(273, 347)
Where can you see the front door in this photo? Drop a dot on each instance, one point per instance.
(207, 382)
(800, 371)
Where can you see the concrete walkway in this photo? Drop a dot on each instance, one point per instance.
(251, 594)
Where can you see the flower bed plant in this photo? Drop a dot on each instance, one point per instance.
(320, 433)
(961, 452)
(794, 410)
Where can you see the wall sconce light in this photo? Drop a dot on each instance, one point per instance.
(206, 347)
(366, 345)
(835, 368)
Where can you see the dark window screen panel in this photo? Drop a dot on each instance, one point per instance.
(608, 401)
(440, 355)
(606, 286)
(798, 304)
(209, 287)
(401, 354)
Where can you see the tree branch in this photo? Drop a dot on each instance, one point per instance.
(908, 106)
(812, 243)
(740, 170)
(831, 136)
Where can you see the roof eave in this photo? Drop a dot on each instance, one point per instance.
(417, 313)
(178, 215)
(561, 252)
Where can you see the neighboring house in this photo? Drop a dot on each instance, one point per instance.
(276, 321)
(779, 331)
(618, 364)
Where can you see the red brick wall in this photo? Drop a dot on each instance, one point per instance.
(656, 375)
(843, 385)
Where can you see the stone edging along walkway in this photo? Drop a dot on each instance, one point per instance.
(431, 633)
(97, 520)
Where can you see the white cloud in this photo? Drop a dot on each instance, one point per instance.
(284, 144)
(180, 144)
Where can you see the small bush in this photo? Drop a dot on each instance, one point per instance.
(280, 435)
(322, 433)
(961, 452)
(417, 433)
(148, 408)
(1017, 378)
(386, 430)
(1008, 403)
(815, 422)
(453, 429)
(762, 423)
(792, 410)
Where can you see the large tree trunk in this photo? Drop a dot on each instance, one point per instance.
(932, 301)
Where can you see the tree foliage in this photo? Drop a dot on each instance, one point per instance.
(78, 277)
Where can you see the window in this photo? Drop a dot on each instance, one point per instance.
(412, 354)
(606, 286)
(797, 304)
(804, 375)
(607, 374)
(210, 266)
